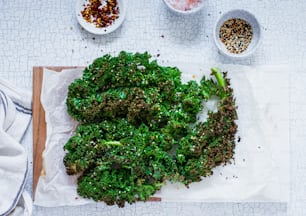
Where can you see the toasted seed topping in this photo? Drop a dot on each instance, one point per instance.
(236, 35)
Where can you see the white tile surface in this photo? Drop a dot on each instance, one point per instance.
(38, 32)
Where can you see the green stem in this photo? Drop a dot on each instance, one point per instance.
(113, 143)
(218, 74)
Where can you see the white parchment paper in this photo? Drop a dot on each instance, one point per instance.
(260, 171)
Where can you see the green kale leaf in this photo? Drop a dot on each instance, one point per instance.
(138, 128)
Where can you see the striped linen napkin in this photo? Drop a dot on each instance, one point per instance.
(15, 116)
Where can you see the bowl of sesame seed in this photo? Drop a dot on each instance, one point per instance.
(100, 16)
(237, 34)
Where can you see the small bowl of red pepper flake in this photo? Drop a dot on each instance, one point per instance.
(100, 16)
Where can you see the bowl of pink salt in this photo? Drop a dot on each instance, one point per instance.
(184, 6)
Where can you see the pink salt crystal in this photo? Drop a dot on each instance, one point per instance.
(184, 5)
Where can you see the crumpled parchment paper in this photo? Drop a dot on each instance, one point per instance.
(259, 173)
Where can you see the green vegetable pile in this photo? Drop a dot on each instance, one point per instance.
(138, 128)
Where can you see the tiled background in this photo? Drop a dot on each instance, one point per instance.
(38, 32)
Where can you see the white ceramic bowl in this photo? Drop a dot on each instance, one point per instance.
(90, 27)
(251, 19)
(184, 12)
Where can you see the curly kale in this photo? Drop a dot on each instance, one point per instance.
(138, 128)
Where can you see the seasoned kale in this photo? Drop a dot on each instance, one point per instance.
(138, 128)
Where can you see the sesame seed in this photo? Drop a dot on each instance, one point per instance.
(236, 35)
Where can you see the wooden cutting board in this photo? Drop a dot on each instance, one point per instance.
(39, 125)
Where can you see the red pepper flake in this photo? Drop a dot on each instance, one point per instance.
(101, 12)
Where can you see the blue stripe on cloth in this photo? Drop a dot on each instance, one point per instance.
(24, 111)
(23, 107)
(4, 96)
(18, 194)
(4, 99)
